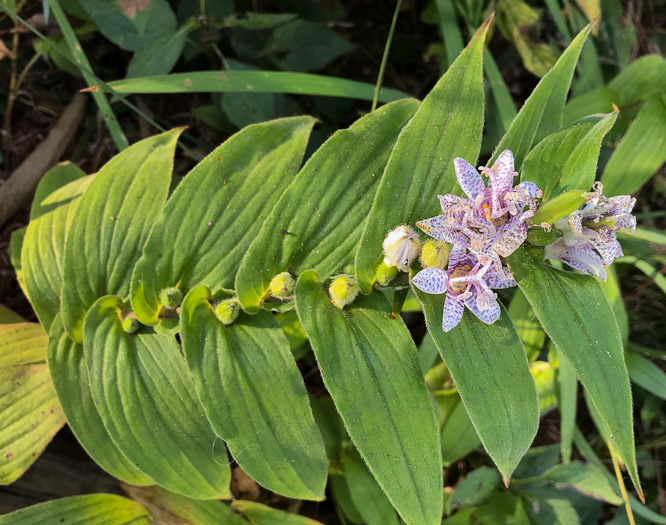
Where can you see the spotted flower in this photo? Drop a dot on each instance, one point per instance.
(589, 234)
(491, 221)
(466, 283)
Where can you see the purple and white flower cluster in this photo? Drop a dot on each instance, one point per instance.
(490, 223)
(589, 243)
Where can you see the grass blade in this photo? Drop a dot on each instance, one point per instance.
(250, 81)
(84, 66)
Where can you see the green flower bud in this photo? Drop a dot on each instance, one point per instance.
(227, 311)
(130, 325)
(538, 236)
(559, 207)
(385, 274)
(435, 254)
(171, 298)
(343, 290)
(282, 286)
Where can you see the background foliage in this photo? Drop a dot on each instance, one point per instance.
(262, 383)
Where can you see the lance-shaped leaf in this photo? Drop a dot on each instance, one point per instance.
(365, 494)
(640, 153)
(457, 432)
(490, 370)
(29, 411)
(145, 397)
(216, 212)
(258, 514)
(447, 125)
(542, 113)
(529, 330)
(112, 222)
(369, 365)
(567, 160)
(72, 384)
(318, 221)
(254, 397)
(44, 243)
(575, 313)
(174, 509)
(91, 509)
(584, 478)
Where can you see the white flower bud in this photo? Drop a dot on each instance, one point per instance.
(401, 247)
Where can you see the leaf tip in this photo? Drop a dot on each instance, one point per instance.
(641, 494)
(90, 89)
(615, 108)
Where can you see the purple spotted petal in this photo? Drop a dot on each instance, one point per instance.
(608, 249)
(508, 240)
(453, 312)
(531, 188)
(505, 173)
(457, 257)
(498, 280)
(432, 224)
(468, 178)
(431, 280)
(584, 260)
(488, 316)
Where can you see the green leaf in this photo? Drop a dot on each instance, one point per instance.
(448, 124)
(584, 478)
(529, 330)
(159, 55)
(640, 153)
(22, 344)
(456, 430)
(318, 221)
(567, 160)
(567, 383)
(589, 454)
(448, 27)
(60, 176)
(575, 313)
(475, 489)
(542, 113)
(342, 498)
(301, 45)
(144, 395)
(72, 384)
(553, 507)
(519, 23)
(596, 101)
(216, 211)
(642, 79)
(7, 316)
(15, 248)
(112, 222)
(646, 374)
(44, 243)
(612, 289)
(490, 370)
(251, 81)
(170, 508)
(365, 493)
(131, 25)
(254, 397)
(368, 363)
(29, 411)
(244, 109)
(258, 514)
(91, 509)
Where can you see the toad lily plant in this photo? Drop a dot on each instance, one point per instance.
(176, 317)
